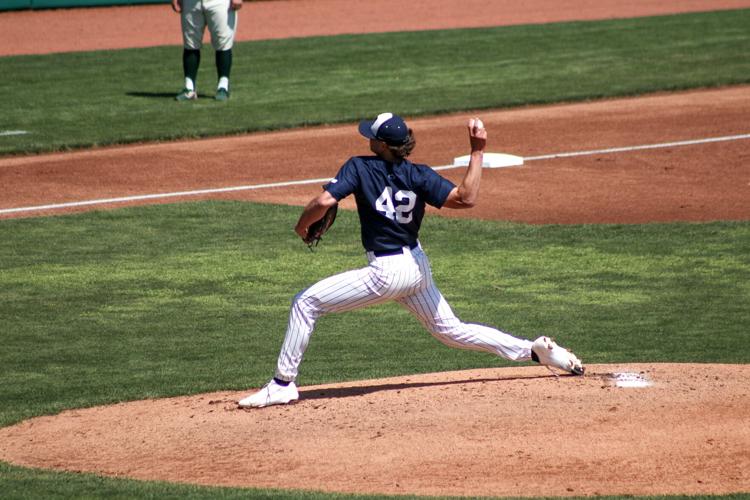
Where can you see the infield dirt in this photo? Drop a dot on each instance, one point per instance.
(101, 28)
(700, 182)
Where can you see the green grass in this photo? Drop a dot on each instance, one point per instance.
(95, 98)
(179, 299)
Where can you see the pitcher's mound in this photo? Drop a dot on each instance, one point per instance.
(622, 429)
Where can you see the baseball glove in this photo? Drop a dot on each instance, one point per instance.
(318, 228)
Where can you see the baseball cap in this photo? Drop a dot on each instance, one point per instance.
(386, 127)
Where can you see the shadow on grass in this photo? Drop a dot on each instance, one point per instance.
(153, 95)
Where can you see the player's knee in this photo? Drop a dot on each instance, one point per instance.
(299, 300)
(222, 44)
(447, 331)
(305, 305)
(448, 323)
(448, 338)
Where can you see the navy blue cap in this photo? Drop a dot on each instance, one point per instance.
(386, 127)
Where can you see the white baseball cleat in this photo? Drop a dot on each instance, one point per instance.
(552, 355)
(272, 393)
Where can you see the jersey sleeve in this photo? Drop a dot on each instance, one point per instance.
(345, 182)
(435, 188)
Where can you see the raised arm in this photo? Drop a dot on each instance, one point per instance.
(465, 194)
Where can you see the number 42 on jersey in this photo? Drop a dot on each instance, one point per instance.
(396, 207)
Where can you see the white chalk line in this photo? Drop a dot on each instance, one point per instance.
(177, 194)
(638, 148)
(142, 197)
(5, 133)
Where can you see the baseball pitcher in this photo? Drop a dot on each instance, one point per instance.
(391, 194)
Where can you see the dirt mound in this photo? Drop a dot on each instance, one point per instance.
(628, 429)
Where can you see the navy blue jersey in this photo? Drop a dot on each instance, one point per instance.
(390, 197)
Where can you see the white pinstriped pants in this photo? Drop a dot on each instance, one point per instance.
(405, 278)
